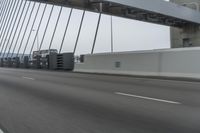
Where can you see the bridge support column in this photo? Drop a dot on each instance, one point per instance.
(189, 35)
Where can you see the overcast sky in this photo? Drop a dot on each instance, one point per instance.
(129, 35)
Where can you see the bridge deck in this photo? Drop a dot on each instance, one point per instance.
(154, 11)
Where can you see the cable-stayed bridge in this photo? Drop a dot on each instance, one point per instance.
(155, 91)
(19, 18)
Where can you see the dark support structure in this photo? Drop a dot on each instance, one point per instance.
(154, 11)
(55, 27)
(2, 62)
(13, 26)
(68, 21)
(79, 32)
(16, 28)
(21, 43)
(21, 28)
(26, 62)
(38, 30)
(95, 37)
(35, 17)
(64, 61)
(10, 25)
(16, 62)
(9, 62)
(46, 27)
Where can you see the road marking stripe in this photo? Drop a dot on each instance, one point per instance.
(147, 98)
(1, 131)
(28, 78)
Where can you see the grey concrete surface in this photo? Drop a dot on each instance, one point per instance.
(179, 62)
(188, 36)
(59, 102)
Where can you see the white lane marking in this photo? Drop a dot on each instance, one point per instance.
(147, 98)
(28, 78)
(1, 131)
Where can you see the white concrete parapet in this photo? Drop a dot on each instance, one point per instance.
(182, 62)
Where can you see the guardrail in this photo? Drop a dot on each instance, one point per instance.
(64, 61)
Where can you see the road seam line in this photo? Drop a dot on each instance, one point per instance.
(28, 78)
(147, 98)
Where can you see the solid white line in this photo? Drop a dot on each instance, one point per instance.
(28, 78)
(1, 131)
(147, 98)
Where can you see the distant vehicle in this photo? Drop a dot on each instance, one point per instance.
(43, 53)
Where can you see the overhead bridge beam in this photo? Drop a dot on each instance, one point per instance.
(154, 11)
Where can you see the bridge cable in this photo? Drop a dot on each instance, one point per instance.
(38, 28)
(7, 27)
(25, 30)
(10, 23)
(13, 27)
(79, 31)
(44, 34)
(4, 22)
(17, 26)
(66, 28)
(55, 28)
(3, 7)
(95, 37)
(20, 30)
(29, 36)
(6, 6)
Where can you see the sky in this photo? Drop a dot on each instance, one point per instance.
(128, 35)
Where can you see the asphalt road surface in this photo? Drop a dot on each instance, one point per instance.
(59, 102)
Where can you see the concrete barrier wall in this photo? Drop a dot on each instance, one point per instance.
(183, 62)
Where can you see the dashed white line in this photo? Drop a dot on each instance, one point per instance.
(29, 78)
(147, 98)
(1, 131)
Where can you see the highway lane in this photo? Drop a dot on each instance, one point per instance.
(59, 102)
